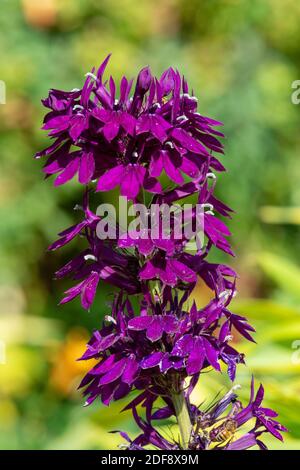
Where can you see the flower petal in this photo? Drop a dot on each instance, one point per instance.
(86, 168)
(111, 178)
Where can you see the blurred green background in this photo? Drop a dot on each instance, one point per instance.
(241, 58)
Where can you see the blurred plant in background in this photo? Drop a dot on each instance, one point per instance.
(241, 58)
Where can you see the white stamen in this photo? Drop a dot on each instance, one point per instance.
(78, 207)
(236, 387)
(135, 155)
(116, 102)
(169, 144)
(77, 106)
(228, 338)
(90, 257)
(211, 175)
(225, 294)
(210, 213)
(208, 205)
(186, 95)
(75, 89)
(92, 75)
(182, 118)
(110, 319)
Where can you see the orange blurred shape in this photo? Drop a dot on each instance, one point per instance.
(17, 114)
(40, 13)
(67, 371)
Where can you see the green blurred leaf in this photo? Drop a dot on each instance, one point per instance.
(282, 271)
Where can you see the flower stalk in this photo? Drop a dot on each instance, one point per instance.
(183, 418)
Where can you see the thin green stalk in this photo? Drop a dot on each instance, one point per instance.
(183, 418)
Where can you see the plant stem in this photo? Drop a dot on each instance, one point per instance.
(183, 418)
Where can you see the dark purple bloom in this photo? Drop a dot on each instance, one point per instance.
(159, 344)
(131, 179)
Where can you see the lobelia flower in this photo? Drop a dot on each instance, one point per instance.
(150, 346)
(160, 348)
(220, 419)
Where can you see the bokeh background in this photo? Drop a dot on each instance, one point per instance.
(241, 58)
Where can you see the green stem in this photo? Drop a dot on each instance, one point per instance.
(183, 418)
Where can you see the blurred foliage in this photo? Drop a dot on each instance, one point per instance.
(241, 58)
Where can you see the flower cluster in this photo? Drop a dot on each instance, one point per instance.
(213, 428)
(154, 145)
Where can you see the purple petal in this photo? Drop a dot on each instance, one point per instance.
(89, 290)
(103, 67)
(86, 168)
(152, 360)
(196, 358)
(128, 123)
(183, 346)
(69, 172)
(156, 165)
(183, 272)
(168, 275)
(106, 342)
(155, 329)
(103, 115)
(145, 246)
(243, 443)
(67, 236)
(111, 178)
(163, 413)
(132, 180)
(78, 124)
(152, 185)
(259, 396)
(188, 142)
(148, 271)
(170, 324)
(72, 293)
(104, 366)
(110, 130)
(171, 170)
(140, 323)
(211, 354)
(159, 127)
(189, 168)
(59, 123)
(115, 372)
(130, 371)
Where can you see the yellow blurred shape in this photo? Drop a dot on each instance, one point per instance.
(16, 328)
(20, 371)
(201, 294)
(8, 413)
(280, 215)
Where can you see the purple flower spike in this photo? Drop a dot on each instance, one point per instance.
(150, 141)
